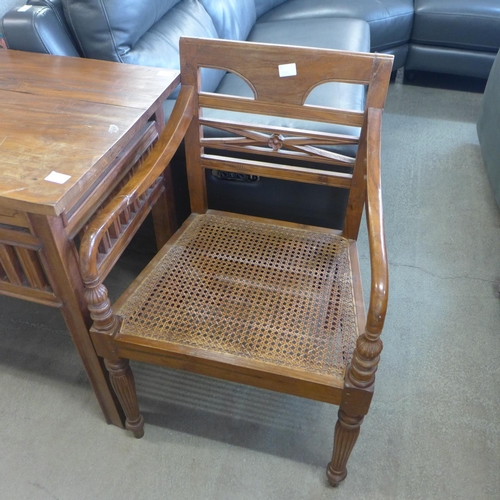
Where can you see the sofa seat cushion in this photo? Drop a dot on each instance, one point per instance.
(463, 24)
(262, 6)
(390, 20)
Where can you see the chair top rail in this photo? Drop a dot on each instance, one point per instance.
(264, 66)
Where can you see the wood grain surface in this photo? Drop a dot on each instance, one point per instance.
(57, 116)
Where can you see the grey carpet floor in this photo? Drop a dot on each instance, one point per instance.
(433, 429)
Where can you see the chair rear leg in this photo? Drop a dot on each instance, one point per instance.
(346, 435)
(122, 380)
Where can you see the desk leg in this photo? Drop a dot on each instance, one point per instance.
(61, 262)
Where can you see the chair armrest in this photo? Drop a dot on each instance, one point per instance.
(34, 28)
(374, 217)
(109, 233)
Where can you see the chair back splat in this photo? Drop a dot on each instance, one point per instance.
(272, 304)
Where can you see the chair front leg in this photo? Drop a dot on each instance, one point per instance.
(346, 435)
(358, 393)
(122, 380)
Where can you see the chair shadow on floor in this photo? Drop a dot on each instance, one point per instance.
(257, 419)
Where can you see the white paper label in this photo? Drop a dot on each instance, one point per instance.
(57, 177)
(24, 8)
(287, 70)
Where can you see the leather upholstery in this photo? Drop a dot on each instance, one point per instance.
(55, 5)
(465, 24)
(400, 54)
(45, 34)
(57, 8)
(390, 20)
(449, 60)
(146, 31)
(262, 6)
(154, 41)
(455, 36)
(109, 30)
(233, 19)
(488, 128)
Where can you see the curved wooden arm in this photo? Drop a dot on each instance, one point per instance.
(366, 356)
(374, 218)
(144, 178)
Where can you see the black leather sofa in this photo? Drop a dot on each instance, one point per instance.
(453, 36)
(450, 36)
(488, 128)
(458, 37)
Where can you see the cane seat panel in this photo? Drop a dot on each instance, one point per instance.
(254, 290)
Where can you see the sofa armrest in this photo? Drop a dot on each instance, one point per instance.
(488, 128)
(35, 28)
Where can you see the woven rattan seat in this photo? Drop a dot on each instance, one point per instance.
(273, 304)
(275, 294)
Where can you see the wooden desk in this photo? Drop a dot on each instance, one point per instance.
(91, 121)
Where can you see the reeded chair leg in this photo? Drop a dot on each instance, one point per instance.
(346, 434)
(122, 380)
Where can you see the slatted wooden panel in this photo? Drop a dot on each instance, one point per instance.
(21, 270)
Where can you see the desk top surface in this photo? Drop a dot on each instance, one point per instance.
(64, 116)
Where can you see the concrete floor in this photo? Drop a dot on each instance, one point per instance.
(433, 430)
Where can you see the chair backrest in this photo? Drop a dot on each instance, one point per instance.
(281, 78)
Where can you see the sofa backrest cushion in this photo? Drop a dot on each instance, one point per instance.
(233, 19)
(262, 6)
(111, 28)
(56, 6)
(144, 32)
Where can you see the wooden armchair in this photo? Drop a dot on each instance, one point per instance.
(272, 304)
